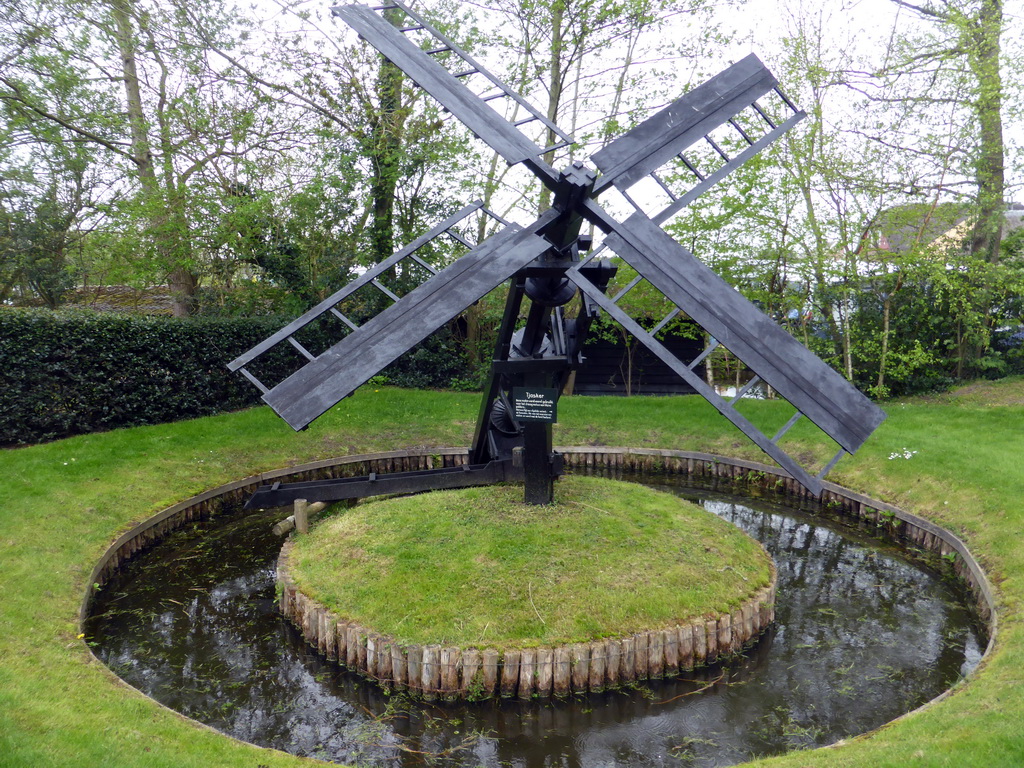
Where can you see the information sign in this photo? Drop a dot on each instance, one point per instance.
(534, 404)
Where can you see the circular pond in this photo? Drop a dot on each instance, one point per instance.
(862, 635)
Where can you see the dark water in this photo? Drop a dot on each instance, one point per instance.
(862, 635)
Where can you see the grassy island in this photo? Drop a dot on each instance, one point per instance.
(480, 567)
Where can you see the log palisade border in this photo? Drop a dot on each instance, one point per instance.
(451, 673)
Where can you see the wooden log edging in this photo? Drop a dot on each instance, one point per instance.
(738, 474)
(905, 529)
(205, 505)
(453, 673)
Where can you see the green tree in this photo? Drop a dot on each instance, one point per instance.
(49, 179)
(944, 67)
(174, 128)
(798, 228)
(954, 59)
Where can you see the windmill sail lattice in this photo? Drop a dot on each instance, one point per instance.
(729, 319)
(688, 123)
(450, 88)
(327, 378)
(674, 156)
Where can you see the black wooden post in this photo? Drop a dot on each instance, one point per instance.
(538, 481)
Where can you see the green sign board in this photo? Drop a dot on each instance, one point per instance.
(534, 404)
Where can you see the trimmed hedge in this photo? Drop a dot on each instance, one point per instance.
(67, 373)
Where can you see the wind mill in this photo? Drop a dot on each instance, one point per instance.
(681, 151)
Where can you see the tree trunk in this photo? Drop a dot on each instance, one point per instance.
(142, 153)
(555, 87)
(983, 59)
(983, 50)
(885, 346)
(847, 351)
(183, 285)
(385, 154)
(168, 225)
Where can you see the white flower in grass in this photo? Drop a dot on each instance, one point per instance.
(906, 453)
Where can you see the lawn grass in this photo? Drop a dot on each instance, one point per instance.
(479, 567)
(65, 502)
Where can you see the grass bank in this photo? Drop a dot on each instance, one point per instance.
(606, 559)
(65, 502)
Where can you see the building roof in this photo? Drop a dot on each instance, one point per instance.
(902, 227)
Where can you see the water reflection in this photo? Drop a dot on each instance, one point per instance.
(862, 635)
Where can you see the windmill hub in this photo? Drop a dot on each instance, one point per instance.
(550, 291)
(575, 184)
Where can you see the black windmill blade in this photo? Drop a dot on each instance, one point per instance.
(544, 267)
(691, 122)
(730, 320)
(449, 88)
(327, 378)
(777, 358)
